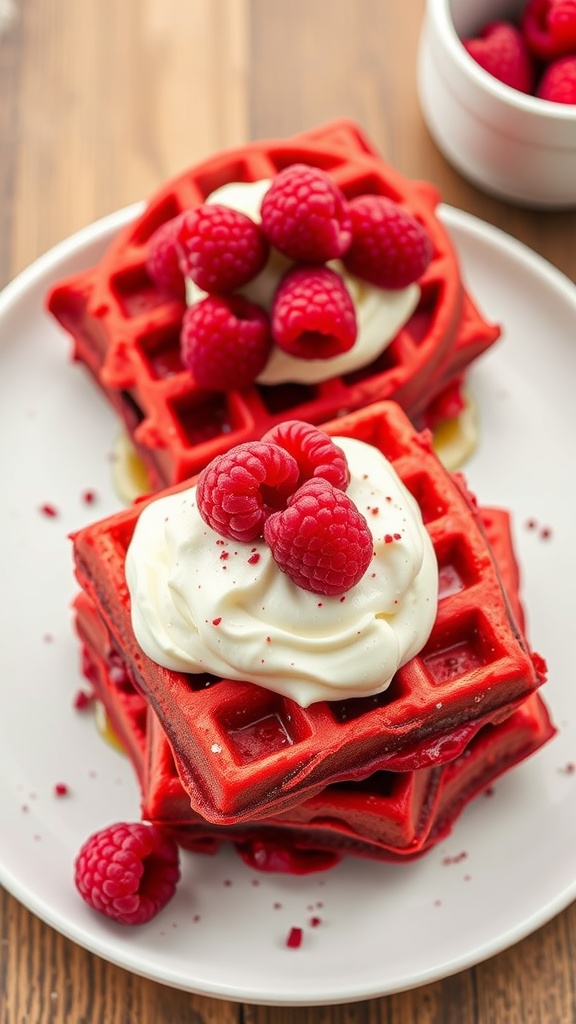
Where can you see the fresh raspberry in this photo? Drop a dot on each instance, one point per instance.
(128, 871)
(558, 83)
(239, 489)
(312, 314)
(314, 451)
(549, 28)
(389, 248)
(321, 540)
(225, 342)
(162, 263)
(562, 22)
(502, 51)
(219, 248)
(304, 215)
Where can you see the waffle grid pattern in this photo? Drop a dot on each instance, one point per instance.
(243, 752)
(390, 816)
(128, 334)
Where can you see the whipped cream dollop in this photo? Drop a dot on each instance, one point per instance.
(380, 313)
(203, 603)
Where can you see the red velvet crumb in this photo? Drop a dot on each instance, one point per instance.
(456, 859)
(61, 789)
(294, 938)
(48, 510)
(82, 700)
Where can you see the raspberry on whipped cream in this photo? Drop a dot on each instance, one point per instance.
(380, 313)
(241, 618)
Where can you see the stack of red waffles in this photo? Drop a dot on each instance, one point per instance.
(382, 776)
(127, 332)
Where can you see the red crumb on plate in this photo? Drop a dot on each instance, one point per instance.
(457, 859)
(82, 700)
(294, 938)
(48, 510)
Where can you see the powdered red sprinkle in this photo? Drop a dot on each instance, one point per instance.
(48, 510)
(220, 248)
(457, 859)
(225, 342)
(389, 247)
(294, 938)
(313, 315)
(89, 497)
(216, 622)
(305, 215)
(61, 789)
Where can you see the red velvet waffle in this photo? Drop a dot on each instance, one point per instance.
(390, 815)
(127, 334)
(243, 752)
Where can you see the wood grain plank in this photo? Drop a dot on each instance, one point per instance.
(314, 60)
(46, 979)
(10, 51)
(114, 98)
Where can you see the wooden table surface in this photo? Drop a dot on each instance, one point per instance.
(100, 101)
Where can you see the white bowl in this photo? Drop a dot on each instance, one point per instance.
(511, 145)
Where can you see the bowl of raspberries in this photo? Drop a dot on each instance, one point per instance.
(497, 88)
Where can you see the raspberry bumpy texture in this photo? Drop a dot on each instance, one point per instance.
(128, 872)
(305, 216)
(321, 541)
(313, 315)
(225, 341)
(288, 488)
(220, 248)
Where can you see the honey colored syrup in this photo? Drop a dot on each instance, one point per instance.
(455, 439)
(129, 476)
(105, 728)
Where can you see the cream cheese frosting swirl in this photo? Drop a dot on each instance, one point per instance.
(380, 313)
(203, 603)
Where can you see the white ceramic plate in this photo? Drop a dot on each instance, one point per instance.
(382, 928)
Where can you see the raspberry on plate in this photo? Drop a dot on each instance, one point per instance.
(389, 247)
(558, 83)
(321, 541)
(305, 216)
(502, 51)
(219, 248)
(225, 342)
(313, 314)
(128, 872)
